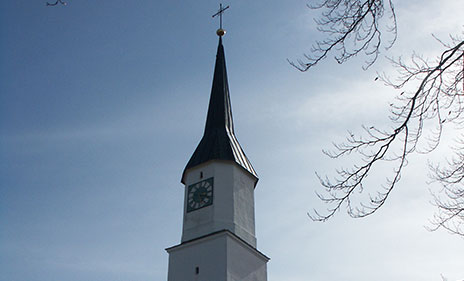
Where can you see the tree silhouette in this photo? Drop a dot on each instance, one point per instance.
(56, 3)
(357, 27)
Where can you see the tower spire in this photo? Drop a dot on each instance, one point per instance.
(219, 141)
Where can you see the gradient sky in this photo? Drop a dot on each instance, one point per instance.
(103, 102)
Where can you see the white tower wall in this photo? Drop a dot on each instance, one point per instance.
(220, 257)
(233, 202)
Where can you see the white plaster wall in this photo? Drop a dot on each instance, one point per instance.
(233, 202)
(208, 255)
(219, 257)
(243, 264)
(244, 205)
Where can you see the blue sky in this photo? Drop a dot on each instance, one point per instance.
(103, 102)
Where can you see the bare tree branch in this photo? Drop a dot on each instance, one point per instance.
(353, 27)
(438, 97)
(56, 3)
(450, 202)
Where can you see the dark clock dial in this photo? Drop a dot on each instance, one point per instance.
(200, 195)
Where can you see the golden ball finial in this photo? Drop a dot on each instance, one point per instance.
(220, 32)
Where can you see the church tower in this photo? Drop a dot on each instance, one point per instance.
(218, 236)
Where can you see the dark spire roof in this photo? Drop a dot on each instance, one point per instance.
(219, 141)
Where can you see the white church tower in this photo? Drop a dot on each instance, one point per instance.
(218, 236)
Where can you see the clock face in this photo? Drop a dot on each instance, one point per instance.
(200, 195)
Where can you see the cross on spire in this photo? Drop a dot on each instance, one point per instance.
(219, 13)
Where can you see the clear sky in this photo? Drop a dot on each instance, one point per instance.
(103, 102)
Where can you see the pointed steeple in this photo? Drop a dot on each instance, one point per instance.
(219, 141)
